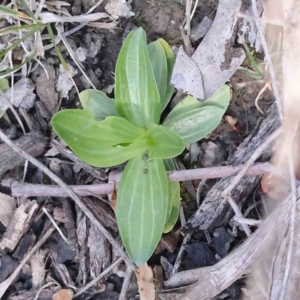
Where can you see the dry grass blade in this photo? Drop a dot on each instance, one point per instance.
(73, 55)
(52, 18)
(8, 11)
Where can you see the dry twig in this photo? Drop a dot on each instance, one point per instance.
(27, 189)
(213, 280)
(90, 284)
(125, 284)
(5, 284)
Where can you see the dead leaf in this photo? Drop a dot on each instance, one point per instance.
(117, 9)
(199, 31)
(217, 58)
(7, 208)
(45, 88)
(23, 95)
(232, 121)
(63, 294)
(99, 251)
(186, 75)
(64, 83)
(38, 268)
(18, 225)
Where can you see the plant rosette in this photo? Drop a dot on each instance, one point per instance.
(108, 132)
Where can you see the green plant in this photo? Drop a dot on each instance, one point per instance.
(108, 132)
(258, 72)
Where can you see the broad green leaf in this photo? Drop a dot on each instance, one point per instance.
(173, 200)
(98, 103)
(141, 206)
(101, 144)
(162, 61)
(193, 120)
(163, 143)
(170, 62)
(185, 105)
(2, 112)
(4, 84)
(136, 94)
(160, 68)
(221, 98)
(194, 125)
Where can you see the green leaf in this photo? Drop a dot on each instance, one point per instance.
(11, 12)
(258, 70)
(101, 144)
(193, 120)
(4, 84)
(141, 206)
(160, 68)
(170, 62)
(194, 125)
(60, 56)
(173, 200)
(163, 143)
(15, 28)
(27, 9)
(185, 105)
(221, 99)
(98, 103)
(136, 94)
(162, 61)
(2, 112)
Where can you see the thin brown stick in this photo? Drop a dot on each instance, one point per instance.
(71, 194)
(5, 284)
(90, 284)
(257, 153)
(211, 281)
(179, 255)
(125, 284)
(35, 190)
(238, 213)
(188, 8)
